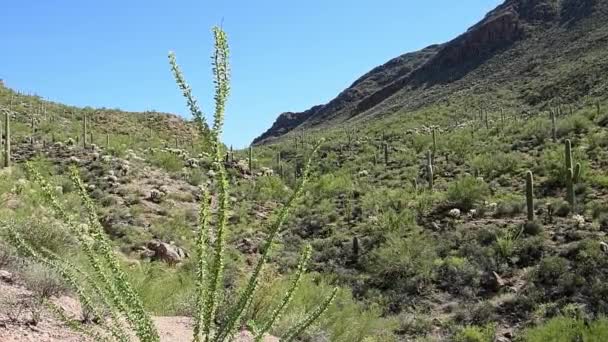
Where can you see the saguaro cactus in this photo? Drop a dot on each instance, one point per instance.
(530, 195)
(385, 145)
(250, 157)
(434, 142)
(573, 173)
(553, 127)
(84, 130)
(429, 169)
(355, 255)
(107, 140)
(7, 140)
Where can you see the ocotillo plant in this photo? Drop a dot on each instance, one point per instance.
(7, 139)
(429, 169)
(530, 195)
(126, 312)
(107, 140)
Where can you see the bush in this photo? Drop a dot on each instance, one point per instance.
(42, 281)
(563, 329)
(476, 334)
(457, 275)
(404, 264)
(467, 192)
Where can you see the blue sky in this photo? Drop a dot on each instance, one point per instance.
(286, 55)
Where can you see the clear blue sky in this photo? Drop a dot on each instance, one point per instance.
(286, 55)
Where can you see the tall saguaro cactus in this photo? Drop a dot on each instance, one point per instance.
(7, 140)
(250, 158)
(84, 130)
(530, 195)
(573, 173)
(553, 126)
(434, 142)
(385, 146)
(429, 169)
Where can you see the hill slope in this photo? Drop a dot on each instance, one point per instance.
(523, 51)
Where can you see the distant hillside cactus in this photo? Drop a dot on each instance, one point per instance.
(429, 169)
(434, 142)
(7, 139)
(530, 195)
(386, 159)
(250, 159)
(553, 126)
(573, 173)
(84, 130)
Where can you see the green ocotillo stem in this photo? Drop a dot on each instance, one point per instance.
(250, 159)
(7, 140)
(429, 169)
(530, 195)
(598, 107)
(84, 131)
(107, 140)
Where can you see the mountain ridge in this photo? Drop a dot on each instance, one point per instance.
(442, 65)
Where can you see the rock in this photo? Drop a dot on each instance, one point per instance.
(363, 173)
(455, 213)
(74, 160)
(211, 173)
(6, 277)
(166, 252)
(604, 247)
(192, 163)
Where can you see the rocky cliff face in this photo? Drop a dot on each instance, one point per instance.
(438, 65)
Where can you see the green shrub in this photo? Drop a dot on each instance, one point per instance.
(476, 334)
(467, 192)
(168, 161)
(404, 264)
(563, 329)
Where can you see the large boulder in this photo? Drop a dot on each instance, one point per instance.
(166, 252)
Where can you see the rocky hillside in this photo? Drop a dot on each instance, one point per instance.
(523, 51)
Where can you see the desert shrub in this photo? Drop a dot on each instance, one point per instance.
(348, 320)
(332, 185)
(476, 334)
(43, 281)
(564, 329)
(509, 206)
(404, 264)
(267, 189)
(576, 124)
(467, 192)
(456, 274)
(496, 164)
(168, 161)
